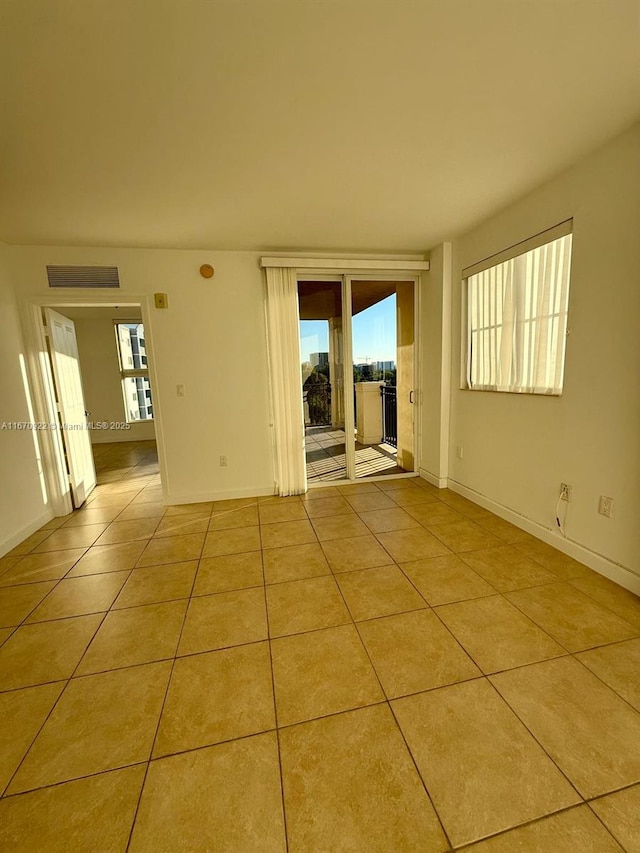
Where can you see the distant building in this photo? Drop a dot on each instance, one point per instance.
(319, 359)
(133, 356)
(385, 365)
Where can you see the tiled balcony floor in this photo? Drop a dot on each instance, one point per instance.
(374, 667)
(326, 459)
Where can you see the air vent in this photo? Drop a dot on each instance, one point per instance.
(83, 276)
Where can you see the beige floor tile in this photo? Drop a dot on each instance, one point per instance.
(357, 489)
(108, 558)
(411, 497)
(172, 549)
(442, 580)
(555, 561)
(8, 562)
(88, 814)
(496, 634)
(339, 527)
(378, 592)
(41, 567)
(507, 569)
(434, 513)
(145, 510)
(77, 596)
(322, 673)
(620, 813)
(230, 519)
(285, 533)
(108, 499)
(100, 723)
(224, 619)
(305, 605)
(200, 508)
(572, 618)
(48, 651)
(182, 525)
(618, 665)
(383, 520)
(315, 494)
(17, 602)
(412, 652)
(294, 563)
(71, 537)
(225, 797)
(128, 531)
(463, 505)
(100, 515)
(271, 513)
(223, 574)
(371, 501)
(504, 530)
(157, 583)
(623, 603)
(471, 749)
(415, 544)
(5, 633)
(150, 494)
(567, 832)
(27, 545)
(589, 731)
(134, 636)
(239, 540)
(464, 535)
(22, 713)
(398, 484)
(233, 503)
(217, 696)
(54, 523)
(328, 506)
(350, 784)
(358, 552)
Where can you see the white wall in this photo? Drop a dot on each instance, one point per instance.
(101, 379)
(518, 448)
(211, 339)
(22, 505)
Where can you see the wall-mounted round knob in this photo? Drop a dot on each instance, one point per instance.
(206, 271)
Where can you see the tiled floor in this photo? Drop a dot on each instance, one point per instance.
(375, 667)
(326, 459)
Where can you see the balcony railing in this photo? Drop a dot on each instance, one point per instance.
(389, 415)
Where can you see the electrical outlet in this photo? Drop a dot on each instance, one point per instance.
(565, 492)
(460, 451)
(180, 390)
(223, 461)
(606, 506)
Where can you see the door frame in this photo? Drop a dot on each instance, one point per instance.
(346, 278)
(38, 369)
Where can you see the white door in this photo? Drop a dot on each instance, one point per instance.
(75, 435)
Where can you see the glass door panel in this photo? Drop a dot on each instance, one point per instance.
(382, 345)
(322, 376)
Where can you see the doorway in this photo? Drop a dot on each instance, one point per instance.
(357, 344)
(113, 435)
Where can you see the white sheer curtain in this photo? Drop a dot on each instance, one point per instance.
(517, 317)
(283, 330)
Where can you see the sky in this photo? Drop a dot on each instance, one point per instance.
(374, 334)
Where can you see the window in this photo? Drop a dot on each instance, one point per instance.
(134, 370)
(517, 316)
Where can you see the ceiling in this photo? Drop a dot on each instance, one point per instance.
(321, 300)
(356, 125)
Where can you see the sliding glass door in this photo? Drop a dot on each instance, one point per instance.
(358, 373)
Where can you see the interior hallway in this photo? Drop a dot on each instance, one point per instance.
(381, 666)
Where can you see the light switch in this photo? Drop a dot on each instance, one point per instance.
(180, 390)
(161, 300)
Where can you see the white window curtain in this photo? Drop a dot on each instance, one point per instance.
(517, 321)
(283, 331)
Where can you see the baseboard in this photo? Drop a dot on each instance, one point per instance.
(614, 571)
(202, 497)
(439, 482)
(21, 535)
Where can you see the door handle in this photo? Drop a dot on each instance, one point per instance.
(412, 397)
